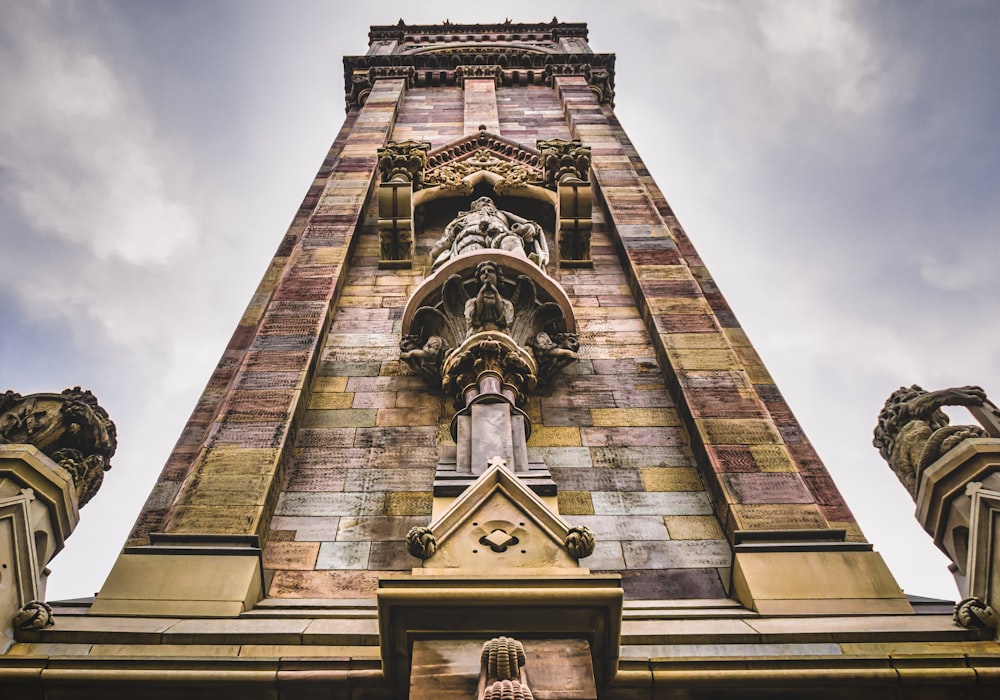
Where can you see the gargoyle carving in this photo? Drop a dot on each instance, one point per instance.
(913, 431)
(485, 226)
(71, 428)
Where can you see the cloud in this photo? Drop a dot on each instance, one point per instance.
(77, 148)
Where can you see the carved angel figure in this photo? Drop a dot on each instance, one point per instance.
(553, 352)
(488, 300)
(485, 226)
(488, 310)
(426, 359)
(913, 431)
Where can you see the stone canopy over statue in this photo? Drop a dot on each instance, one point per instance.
(484, 226)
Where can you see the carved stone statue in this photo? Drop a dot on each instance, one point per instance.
(488, 310)
(913, 431)
(71, 428)
(485, 226)
(554, 352)
(424, 360)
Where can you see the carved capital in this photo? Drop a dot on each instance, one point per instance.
(564, 160)
(403, 161)
(489, 362)
(71, 428)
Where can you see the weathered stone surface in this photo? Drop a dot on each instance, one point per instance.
(320, 504)
(647, 584)
(693, 527)
(679, 554)
(768, 488)
(656, 503)
(343, 555)
(307, 529)
(614, 527)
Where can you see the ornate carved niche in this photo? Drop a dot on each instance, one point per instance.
(488, 313)
(70, 428)
(401, 165)
(566, 167)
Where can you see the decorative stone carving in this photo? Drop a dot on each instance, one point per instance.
(566, 166)
(972, 613)
(913, 431)
(71, 428)
(401, 166)
(554, 352)
(527, 62)
(403, 161)
(491, 354)
(580, 542)
(502, 658)
(513, 176)
(519, 337)
(501, 674)
(494, 72)
(35, 615)
(485, 226)
(424, 357)
(420, 542)
(507, 690)
(564, 160)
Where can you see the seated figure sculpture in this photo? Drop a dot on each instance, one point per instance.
(485, 226)
(913, 431)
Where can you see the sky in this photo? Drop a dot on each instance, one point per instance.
(835, 163)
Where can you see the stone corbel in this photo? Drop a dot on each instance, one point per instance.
(401, 165)
(567, 170)
(485, 71)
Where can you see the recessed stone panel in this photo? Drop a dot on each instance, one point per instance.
(343, 555)
(767, 488)
(302, 503)
(677, 554)
(654, 503)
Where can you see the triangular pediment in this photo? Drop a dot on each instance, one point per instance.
(456, 165)
(499, 523)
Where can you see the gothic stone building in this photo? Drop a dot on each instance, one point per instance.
(486, 429)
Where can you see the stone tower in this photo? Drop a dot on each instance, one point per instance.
(487, 426)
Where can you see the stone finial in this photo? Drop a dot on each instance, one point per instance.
(913, 432)
(420, 542)
(502, 658)
(35, 615)
(972, 613)
(507, 690)
(71, 428)
(580, 542)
